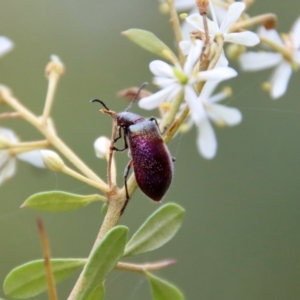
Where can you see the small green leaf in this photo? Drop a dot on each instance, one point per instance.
(29, 280)
(151, 42)
(158, 229)
(57, 201)
(163, 290)
(103, 259)
(98, 293)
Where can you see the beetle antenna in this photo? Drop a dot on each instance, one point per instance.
(101, 102)
(136, 95)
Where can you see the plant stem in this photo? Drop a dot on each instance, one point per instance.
(52, 85)
(51, 136)
(47, 261)
(80, 177)
(115, 204)
(141, 268)
(176, 27)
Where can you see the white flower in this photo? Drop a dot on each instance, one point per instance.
(205, 108)
(8, 161)
(6, 45)
(255, 61)
(174, 79)
(102, 146)
(186, 28)
(184, 4)
(235, 10)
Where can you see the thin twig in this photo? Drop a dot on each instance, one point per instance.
(47, 262)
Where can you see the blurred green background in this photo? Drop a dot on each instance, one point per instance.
(241, 235)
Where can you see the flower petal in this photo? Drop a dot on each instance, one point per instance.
(164, 82)
(155, 99)
(296, 33)
(193, 56)
(213, 13)
(208, 89)
(196, 106)
(184, 4)
(8, 133)
(246, 38)
(223, 114)
(161, 69)
(33, 157)
(234, 12)
(185, 46)
(6, 45)
(8, 170)
(206, 140)
(270, 34)
(4, 157)
(218, 97)
(220, 12)
(222, 62)
(197, 21)
(255, 61)
(217, 74)
(280, 80)
(177, 88)
(186, 28)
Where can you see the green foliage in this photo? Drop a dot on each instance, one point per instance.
(103, 259)
(163, 290)
(57, 201)
(29, 280)
(157, 230)
(151, 43)
(98, 293)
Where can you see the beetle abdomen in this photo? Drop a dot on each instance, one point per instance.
(152, 162)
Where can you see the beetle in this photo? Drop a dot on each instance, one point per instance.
(150, 157)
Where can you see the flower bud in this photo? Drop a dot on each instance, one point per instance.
(55, 65)
(102, 146)
(6, 45)
(52, 160)
(164, 8)
(4, 142)
(233, 51)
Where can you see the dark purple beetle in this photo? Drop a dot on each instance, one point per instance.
(150, 157)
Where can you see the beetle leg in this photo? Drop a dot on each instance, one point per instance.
(118, 137)
(155, 121)
(126, 172)
(173, 159)
(125, 141)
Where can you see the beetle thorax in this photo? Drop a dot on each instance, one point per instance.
(127, 118)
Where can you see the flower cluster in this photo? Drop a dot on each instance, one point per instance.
(8, 140)
(284, 60)
(175, 79)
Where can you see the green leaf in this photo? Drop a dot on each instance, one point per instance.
(57, 201)
(151, 43)
(158, 229)
(29, 280)
(98, 293)
(103, 259)
(163, 290)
